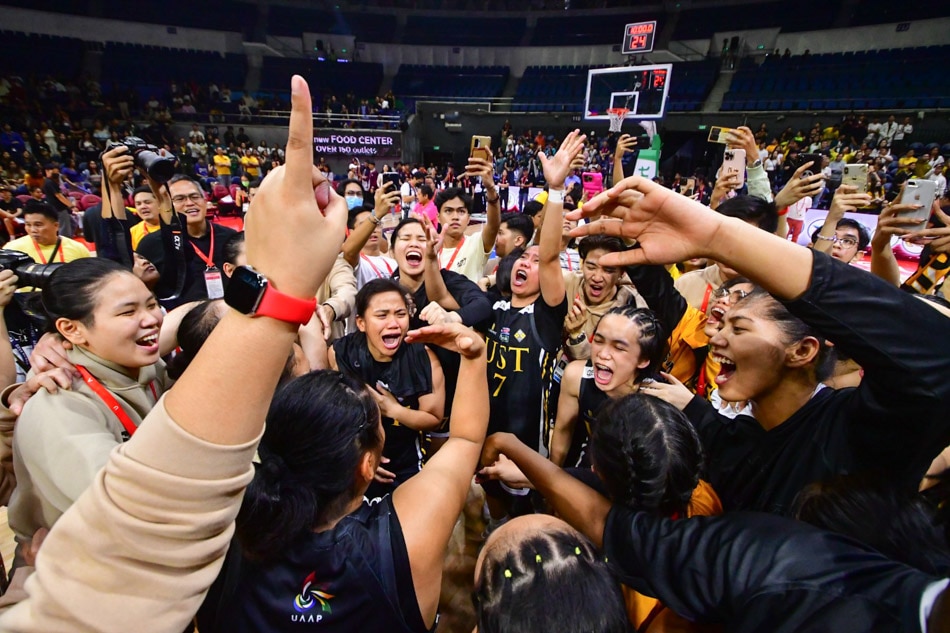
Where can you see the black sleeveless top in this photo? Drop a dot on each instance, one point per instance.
(407, 377)
(589, 401)
(522, 351)
(354, 577)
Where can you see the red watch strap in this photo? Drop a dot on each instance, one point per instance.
(277, 305)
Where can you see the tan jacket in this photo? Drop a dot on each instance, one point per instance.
(574, 285)
(63, 440)
(140, 547)
(692, 285)
(339, 292)
(7, 424)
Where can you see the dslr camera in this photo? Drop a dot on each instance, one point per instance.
(29, 273)
(148, 157)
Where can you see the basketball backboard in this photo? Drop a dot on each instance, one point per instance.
(641, 89)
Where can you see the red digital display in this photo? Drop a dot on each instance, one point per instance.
(638, 37)
(659, 78)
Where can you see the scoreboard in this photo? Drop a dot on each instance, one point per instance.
(638, 37)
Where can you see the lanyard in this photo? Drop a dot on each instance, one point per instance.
(110, 400)
(378, 272)
(570, 265)
(207, 259)
(58, 246)
(454, 255)
(146, 230)
(706, 298)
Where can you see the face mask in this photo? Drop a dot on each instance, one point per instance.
(352, 202)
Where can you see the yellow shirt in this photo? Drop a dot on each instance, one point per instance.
(70, 250)
(694, 284)
(222, 163)
(251, 166)
(139, 231)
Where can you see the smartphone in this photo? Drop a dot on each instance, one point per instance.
(690, 187)
(392, 177)
(718, 134)
(922, 192)
(481, 147)
(817, 160)
(593, 183)
(733, 162)
(857, 176)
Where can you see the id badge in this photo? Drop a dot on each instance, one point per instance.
(214, 284)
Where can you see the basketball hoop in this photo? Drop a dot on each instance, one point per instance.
(617, 116)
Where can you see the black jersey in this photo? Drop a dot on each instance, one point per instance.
(408, 377)
(522, 350)
(590, 399)
(354, 577)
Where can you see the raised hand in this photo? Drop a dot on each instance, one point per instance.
(481, 168)
(669, 227)
(454, 337)
(297, 221)
(890, 225)
(558, 168)
(797, 188)
(846, 199)
(724, 184)
(937, 237)
(625, 144)
(385, 198)
(742, 138)
(117, 164)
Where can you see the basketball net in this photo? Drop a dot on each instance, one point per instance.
(617, 116)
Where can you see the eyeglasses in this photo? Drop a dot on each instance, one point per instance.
(734, 295)
(194, 197)
(847, 241)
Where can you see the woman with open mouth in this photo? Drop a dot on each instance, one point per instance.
(772, 352)
(440, 296)
(63, 439)
(405, 379)
(628, 345)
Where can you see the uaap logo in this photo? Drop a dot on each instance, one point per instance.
(308, 599)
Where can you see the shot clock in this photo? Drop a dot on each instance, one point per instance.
(638, 37)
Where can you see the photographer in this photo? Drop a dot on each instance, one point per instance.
(192, 270)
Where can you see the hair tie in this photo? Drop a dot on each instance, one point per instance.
(507, 573)
(577, 550)
(537, 558)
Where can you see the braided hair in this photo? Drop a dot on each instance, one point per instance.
(647, 454)
(551, 582)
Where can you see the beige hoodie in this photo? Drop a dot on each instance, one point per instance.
(63, 440)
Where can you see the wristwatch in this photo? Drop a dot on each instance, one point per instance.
(251, 293)
(756, 163)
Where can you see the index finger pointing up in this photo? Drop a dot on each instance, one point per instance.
(299, 154)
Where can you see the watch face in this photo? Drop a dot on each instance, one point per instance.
(245, 289)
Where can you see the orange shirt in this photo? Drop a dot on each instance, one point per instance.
(704, 502)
